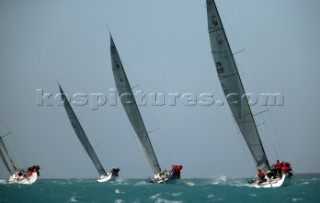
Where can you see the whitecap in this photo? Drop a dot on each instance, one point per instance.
(118, 191)
(190, 183)
(3, 181)
(219, 180)
(141, 183)
(222, 178)
(155, 196)
(119, 201)
(176, 194)
(120, 181)
(73, 199)
(158, 199)
(296, 199)
(211, 196)
(161, 200)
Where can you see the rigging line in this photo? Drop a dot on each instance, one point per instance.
(242, 50)
(259, 89)
(138, 143)
(261, 112)
(276, 135)
(271, 149)
(274, 144)
(253, 115)
(244, 147)
(166, 155)
(135, 86)
(127, 68)
(95, 146)
(107, 26)
(260, 123)
(151, 131)
(270, 116)
(106, 160)
(8, 133)
(15, 157)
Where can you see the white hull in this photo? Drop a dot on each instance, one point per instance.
(27, 180)
(106, 178)
(271, 183)
(166, 179)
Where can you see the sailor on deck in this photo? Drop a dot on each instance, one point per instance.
(261, 176)
(277, 169)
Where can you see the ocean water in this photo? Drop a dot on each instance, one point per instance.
(301, 189)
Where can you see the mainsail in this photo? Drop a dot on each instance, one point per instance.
(3, 154)
(81, 134)
(131, 108)
(232, 85)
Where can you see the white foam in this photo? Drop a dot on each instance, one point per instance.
(219, 180)
(158, 199)
(161, 200)
(118, 191)
(155, 196)
(211, 196)
(73, 199)
(141, 183)
(190, 183)
(119, 201)
(3, 181)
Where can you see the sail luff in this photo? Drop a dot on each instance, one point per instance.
(4, 152)
(131, 108)
(2, 155)
(81, 134)
(232, 85)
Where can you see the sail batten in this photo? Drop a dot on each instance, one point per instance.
(131, 108)
(231, 83)
(81, 134)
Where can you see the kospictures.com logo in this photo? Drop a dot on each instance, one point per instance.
(96, 100)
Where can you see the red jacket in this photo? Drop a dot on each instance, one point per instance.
(277, 165)
(261, 174)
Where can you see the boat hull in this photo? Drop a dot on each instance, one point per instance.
(162, 181)
(26, 180)
(272, 183)
(108, 177)
(166, 180)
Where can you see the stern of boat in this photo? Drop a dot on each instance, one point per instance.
(272, 183)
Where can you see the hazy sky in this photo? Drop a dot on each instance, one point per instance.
(164, 47)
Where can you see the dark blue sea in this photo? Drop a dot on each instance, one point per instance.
(301, 189)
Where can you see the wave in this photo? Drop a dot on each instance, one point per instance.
(3, 181)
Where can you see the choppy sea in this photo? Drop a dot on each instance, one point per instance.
(300, 189)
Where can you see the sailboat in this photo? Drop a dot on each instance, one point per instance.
(130, 106)
(233, 89)
(18, 175)
(104, 176)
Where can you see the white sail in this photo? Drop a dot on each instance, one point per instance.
(232, 85)
(131, 108)
(81, 134)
